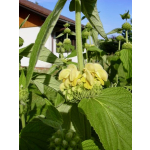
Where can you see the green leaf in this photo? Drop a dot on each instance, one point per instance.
(73, 33)
(89, 9)
(22, 79)
(24, 21)
(37, 107)
(73, 54)
(80, 123)
(54, 96)
(35, 136)
(110, 114)
(64, 109)
(94, 35)
(42, 37)
(52, 69)
(45, 54)
(125, 15)
(21, 41)
(126, 58)
(47, 80)
(83, 18)
(117, 30)
(114, 62)
(53, 117)
(89, 145)
(59, 100)
(61, 34)
(40, 86)
(95, 49)
(72, 5)
(26, 50)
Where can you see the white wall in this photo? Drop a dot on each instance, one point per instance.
(29, 35)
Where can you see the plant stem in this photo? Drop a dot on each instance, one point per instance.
(119, 46)
(126, 36)
(87, 54)
(22, 116)
(67, 35)
(78, 34)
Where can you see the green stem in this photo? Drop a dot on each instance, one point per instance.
(22, 116)
(119, 46)
(126, 36)
(67, 35)
(87, 54)
(78, 34)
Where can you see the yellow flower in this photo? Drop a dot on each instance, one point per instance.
(102, 74)
(90, 67)
(87, 85)
(97, 67)
(89, 77)
(97, 71)
(64, 74)
(67, 83)
(62, 87)
(71, 66)
(73, 74)
(88, 80)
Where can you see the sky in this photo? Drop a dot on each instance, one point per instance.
(110, 11)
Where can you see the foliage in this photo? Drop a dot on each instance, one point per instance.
(87, 108)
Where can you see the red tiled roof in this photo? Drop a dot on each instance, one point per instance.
(42, 10)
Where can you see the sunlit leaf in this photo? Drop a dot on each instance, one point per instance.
(89, 9)
(61, 34)
(110, 114)
(73, 54)
(89, 145)
(126, 58)
(117, 30)
(24, 21)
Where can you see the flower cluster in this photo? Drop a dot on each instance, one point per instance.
(65, 139)
(77, 85)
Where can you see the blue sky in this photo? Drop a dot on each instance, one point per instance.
(110, 11)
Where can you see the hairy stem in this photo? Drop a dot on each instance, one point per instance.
(78, 34)
(67, 35)
(126, 36)
(119, 45)
(87, 53)
(22, 116)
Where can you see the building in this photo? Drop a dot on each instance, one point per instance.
(32, 26)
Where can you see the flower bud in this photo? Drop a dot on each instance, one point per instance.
(76, 138)
(119, 37)
(68, 136)
(127, 46)
(70, 148)
(52, 144)
(57, 141)
(64, 143)
(126, 26)
(57, 148)
(73, 143)
(67, 41)
(67, 30)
